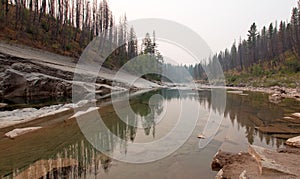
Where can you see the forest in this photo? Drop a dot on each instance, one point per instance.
(274, 49)
(67, 26)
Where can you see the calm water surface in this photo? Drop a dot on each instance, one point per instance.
(61, 150)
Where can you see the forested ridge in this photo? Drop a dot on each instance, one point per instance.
(67, 26)
(57, 25)
(273, 50)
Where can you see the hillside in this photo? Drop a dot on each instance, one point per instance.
(32, 73)
(66, 27)
(268, 57)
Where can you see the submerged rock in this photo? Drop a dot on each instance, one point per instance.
(20, 131)
(82, 113)
(278, 129)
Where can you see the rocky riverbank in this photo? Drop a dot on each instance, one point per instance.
(29, 73)
(260, 162)
(276, 93)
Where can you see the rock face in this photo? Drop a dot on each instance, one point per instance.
(22, 78)
(19, 84)
(27, 72)
(294, 142)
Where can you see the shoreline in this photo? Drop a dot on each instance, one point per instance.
(42, 117)
(60, 109)
(278, 92)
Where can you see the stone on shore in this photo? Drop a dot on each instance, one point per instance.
(20, 131)
(294, 142)
(2, 105)
(275, 98)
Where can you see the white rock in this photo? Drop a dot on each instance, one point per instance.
(296, 115)
(2, 105)
(295, 142)
(20, 131)
(235, 92)
(201, 136)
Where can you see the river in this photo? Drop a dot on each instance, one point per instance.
(61, 150)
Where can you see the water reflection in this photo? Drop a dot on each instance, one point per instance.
(63, 152)
(250, 112)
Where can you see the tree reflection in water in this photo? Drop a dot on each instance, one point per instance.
(72, 156)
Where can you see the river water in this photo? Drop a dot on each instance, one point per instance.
(61, 150)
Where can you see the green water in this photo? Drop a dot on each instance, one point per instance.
(62, 151)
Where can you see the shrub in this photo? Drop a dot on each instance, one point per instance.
(257, 70)
(292, 65)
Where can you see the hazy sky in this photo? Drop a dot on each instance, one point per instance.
(218, 22)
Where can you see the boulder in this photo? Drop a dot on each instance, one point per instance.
(273, 163)
(235, 165)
